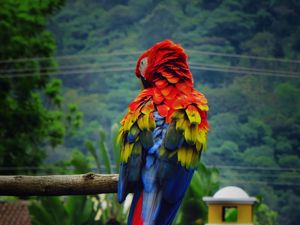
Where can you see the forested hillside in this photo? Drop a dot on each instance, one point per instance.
(254, 101)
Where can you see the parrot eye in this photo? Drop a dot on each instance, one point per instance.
(143, 66)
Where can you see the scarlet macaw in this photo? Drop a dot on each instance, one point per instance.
(162, 136)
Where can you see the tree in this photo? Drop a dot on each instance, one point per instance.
(263, 215)
(29, 100)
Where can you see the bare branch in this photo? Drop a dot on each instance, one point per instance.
(83, 184)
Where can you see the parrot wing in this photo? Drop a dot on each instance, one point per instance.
(180, 152)
(134, 135)
(159, 156)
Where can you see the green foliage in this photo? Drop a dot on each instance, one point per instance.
(79, 161)
(105, 162)
(263, 215)
(262, 44)
(288, 200)
(74, 210)
(100, 156)
(26, 121)
(231, 215)
(53, 89)
(205, 182)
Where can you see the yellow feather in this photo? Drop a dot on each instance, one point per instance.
(193, 115)
(141, 122)
(137, 148)
(179, 124)
(185, 125)
(126, 152)
(162, 151)
(203, 107)
(187, 134)
(190, 135)
(147, 122)
(178, 115)
(181, 155)
(189, 157)
(128, 123)
(152, 123)
(135, 115)
(194, 132)
(199, 145)
(123, 153)
(201, 139)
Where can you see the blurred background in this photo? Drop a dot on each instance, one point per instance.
(67, 76)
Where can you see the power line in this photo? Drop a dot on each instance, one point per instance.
(208, 53)
(244, 56)
(124, 69)
(264, 177)
(192, 64)
(64, 67)
(34, 168)
(246, 68)
(62, 57)
(264, 183)
(72, 72)
(254, 168)
(261, 175)
(244, 72)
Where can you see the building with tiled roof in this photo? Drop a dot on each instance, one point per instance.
(14, 213)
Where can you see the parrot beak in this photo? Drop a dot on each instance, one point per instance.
(145, 83)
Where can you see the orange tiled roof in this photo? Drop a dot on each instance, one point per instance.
(14, 213)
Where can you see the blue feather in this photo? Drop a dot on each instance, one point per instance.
(176, 184)
(157, 117)
(134, 163)
(149, 161)
(122, 184)
(157, 131)
(163, 180)
(167, 212)
(159, 122)
(151, 205)
(131, 138)
(149, 177)
(154, 149)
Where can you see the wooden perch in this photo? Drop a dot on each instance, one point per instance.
(83, 184)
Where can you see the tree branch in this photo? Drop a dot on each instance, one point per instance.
(83, 184)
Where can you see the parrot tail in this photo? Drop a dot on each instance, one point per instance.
(137, 215)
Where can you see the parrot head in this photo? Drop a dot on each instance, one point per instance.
(163, 61)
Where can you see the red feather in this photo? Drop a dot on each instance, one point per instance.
(137, 216)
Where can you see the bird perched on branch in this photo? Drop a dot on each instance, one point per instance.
(162, 136)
